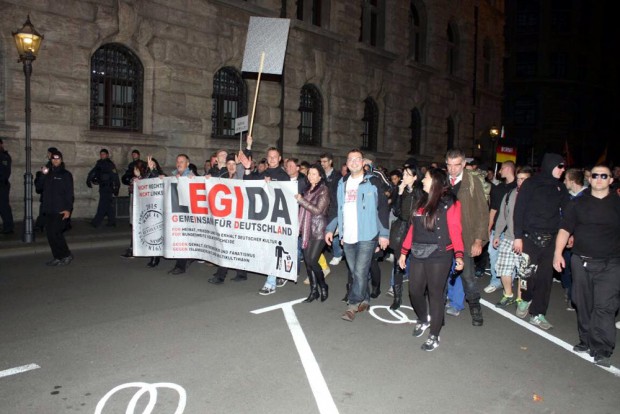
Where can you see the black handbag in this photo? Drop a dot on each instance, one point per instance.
(422, 250)
(398, 231)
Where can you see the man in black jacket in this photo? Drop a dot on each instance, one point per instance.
(536, 223)
(57, 185)
(128, 176)
(105, 176)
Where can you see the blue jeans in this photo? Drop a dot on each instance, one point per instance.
(456, 294)
(493, 253)
(271, 281)
(336, 247)
(359, 256)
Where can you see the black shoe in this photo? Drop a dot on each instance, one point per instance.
(53, 262)
(128, 254)
(239, 278)
(476, 315)
(324, 291)
(66, 261)
(216, 280)
(603, 361)
(376, 291)
(111, 225)
(314, 294)
(176, 271)
(581, 347)
(154, 262)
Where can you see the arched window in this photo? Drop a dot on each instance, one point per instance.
(371, 121)
(229, 102)
(417, 36)
(116, 88)
(311, 119)
(416, 131)
(487, 51)
(450, 133)
(452, 49)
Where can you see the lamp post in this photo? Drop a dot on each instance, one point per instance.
(28, 42)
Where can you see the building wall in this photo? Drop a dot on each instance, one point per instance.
(182, 43)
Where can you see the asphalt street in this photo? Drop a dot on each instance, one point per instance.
(108, 333)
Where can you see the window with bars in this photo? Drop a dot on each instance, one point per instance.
(310, 110)
(371, 121)
(416, 131)
(229, 102)
(116, 87)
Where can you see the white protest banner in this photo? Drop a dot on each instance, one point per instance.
(250, 225)
(148, 218)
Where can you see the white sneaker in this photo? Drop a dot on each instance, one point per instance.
(389, 258)
(307, 281)
(326, 272)
(618, 324)
(267, 290)
(335, 261)
(490, 289)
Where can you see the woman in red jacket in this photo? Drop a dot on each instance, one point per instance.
(434, 238)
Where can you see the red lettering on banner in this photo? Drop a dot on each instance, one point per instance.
(239, 195)
(226, 203)
(195, 198)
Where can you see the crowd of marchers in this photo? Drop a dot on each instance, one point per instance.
(439, 225)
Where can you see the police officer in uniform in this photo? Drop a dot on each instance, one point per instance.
(5, 188)
(105, 176)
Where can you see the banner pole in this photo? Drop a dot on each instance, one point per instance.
(260, 70)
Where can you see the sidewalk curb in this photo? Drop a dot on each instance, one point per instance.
(44, 248)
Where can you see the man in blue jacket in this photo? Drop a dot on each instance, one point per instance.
(362, 221)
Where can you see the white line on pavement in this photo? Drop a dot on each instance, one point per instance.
(613, 370)
(322, 396)
(18, 370)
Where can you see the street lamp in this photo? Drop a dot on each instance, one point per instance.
(28, 42)
(493, 133)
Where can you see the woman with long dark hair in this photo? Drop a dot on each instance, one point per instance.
(434, 238)
(153, 170)
(405, 198)
(314, 204)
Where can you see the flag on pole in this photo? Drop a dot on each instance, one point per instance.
(603, 158)
(502, 134)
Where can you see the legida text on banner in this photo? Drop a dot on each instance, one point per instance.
(250, 225)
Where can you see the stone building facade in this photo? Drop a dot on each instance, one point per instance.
(398, 77)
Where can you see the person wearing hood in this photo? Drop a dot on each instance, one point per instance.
(536, 222)
(57, 185)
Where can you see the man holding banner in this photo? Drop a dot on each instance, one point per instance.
(274, 172)
(362, 221)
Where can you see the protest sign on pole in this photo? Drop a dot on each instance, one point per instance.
(249, 225)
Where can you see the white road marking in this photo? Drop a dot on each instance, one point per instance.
(322, 396)
(18, 370)
(613, 370)
(143, 388)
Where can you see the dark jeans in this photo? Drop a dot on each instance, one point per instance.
(359, 255)
(432, 276)
(105, 208)
(596, 294)
(539, 284)
(55, 227)
(468, 276)
(567, 275)
(5, 208)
